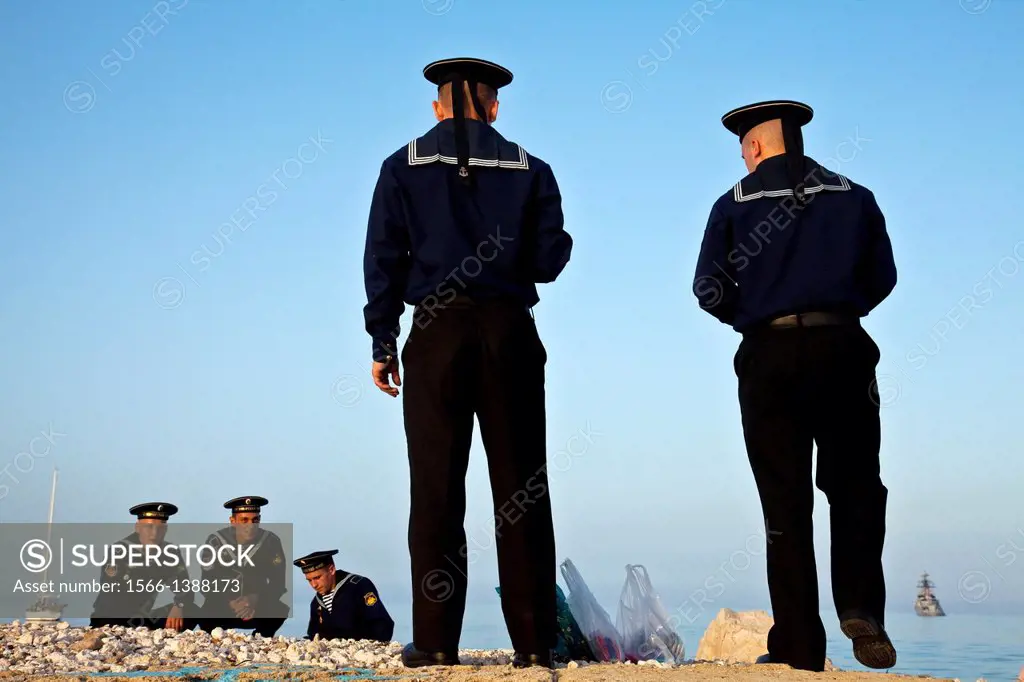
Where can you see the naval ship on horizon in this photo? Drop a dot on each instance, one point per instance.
(927, 604)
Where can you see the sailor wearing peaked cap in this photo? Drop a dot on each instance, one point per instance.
(239, 505)
(346, 605)
(793, 256)
(463, 226)
(117, 604)
(249, 592)
(160, 511)
(314, 561)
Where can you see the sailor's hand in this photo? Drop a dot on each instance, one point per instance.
(248, 606)
(176, 619)
(382, 371)
(237, 605)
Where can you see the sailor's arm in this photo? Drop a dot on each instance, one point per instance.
(377, 623)
(313, 627)
(272, 581)
(878, 266)
(184, 596)
(386, 263)
(553, 245)
(713, 285)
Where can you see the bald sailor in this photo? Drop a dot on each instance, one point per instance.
(463, 226)
(346, 605)
(793, 257)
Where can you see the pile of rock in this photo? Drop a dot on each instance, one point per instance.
(54, 648)
(42, 648)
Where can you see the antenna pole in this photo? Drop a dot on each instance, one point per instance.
(49, 522)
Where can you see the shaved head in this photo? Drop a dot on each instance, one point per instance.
(487, 95)
(762, 141)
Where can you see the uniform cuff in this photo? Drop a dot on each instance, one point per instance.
(384, 348)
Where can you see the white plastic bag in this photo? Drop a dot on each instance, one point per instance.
(605, 641)
(646, 631)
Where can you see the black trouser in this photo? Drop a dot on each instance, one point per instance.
(484, 359)
(154, 620)
(799, 387)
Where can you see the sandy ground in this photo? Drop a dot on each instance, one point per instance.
(593, 673)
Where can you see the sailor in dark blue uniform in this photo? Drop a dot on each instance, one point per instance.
(241, 596)
(793, 256)
(463, 225)
(346, 605)
(128, 599)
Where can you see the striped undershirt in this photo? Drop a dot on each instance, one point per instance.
(328, 599)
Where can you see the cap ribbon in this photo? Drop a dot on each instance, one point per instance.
(461, 135)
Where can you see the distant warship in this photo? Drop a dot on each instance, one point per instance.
(927, 604)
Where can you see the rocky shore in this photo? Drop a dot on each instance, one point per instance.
(37, 652)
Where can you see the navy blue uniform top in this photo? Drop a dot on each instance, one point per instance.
(131, 591)
(266, 578)
(353, 610)
(761, 258)
(430, 239)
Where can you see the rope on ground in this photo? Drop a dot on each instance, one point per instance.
(209, 674)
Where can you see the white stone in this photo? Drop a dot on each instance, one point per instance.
(56, 648)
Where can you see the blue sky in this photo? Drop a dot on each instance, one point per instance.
(131, 141)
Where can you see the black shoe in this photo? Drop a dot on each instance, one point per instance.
(871, 645)
(414, 658)
(521, 660)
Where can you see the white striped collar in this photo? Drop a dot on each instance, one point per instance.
(769, 180)
(415, 159)
(487, 148)
(738, 194)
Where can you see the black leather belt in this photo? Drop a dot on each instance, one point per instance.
(812, 319)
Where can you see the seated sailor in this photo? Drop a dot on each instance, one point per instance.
(247, 596)
(126, 600)
(346, 605)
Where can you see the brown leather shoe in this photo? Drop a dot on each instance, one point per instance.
(521, 660)
(871, 645)
(414, 658)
